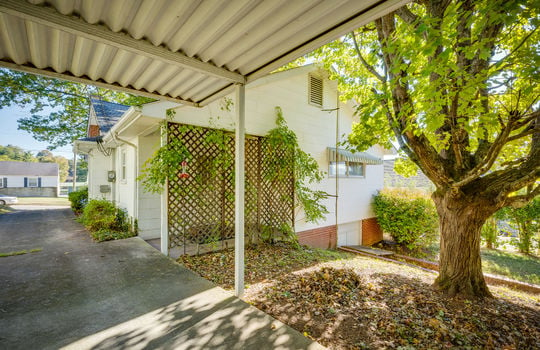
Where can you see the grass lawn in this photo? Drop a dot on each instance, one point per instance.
(43, 201)
(507, 263)
(346, 301)
(514, 265)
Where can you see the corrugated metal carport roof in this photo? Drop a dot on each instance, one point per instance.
(188, 51)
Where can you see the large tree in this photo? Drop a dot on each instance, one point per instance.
(59, 108)
(456, 84)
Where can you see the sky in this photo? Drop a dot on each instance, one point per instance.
(9, 135)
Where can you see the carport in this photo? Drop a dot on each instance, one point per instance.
(187, 51)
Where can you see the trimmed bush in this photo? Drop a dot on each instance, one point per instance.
(408, 216)
(78, 200)
(107, 222)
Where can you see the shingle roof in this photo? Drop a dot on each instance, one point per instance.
(107, 113)
(28, 168)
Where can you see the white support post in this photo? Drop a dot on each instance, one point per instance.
(74, 177)
(239, 191)
(164, 205)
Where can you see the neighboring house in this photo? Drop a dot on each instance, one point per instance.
(29, 179)
(119, 144)
(393, 179)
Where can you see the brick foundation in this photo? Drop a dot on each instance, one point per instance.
(322, 237)
(371, 231)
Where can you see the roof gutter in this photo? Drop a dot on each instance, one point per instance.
(129, 117)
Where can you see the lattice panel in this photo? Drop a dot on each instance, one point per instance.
(201, 206)
(277, 194)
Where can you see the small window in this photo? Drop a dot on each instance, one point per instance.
(2, 182)
(32, 182)
(347, 169)
(315, 91)
(123, 164)
(341, 169)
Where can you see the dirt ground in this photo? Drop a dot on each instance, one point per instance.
(346, 301)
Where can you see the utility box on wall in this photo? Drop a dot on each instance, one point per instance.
(104, 188)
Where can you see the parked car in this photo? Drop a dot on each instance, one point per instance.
(8, 199)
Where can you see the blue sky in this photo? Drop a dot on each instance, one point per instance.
(10, 135)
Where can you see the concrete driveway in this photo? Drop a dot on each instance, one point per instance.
(77, 294)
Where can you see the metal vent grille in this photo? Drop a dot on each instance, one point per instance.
(315, 91)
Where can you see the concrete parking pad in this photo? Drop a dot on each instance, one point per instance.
(77, 294)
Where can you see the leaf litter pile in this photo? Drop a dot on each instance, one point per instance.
(345, 301)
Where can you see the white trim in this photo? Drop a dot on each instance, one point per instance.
(73, 25)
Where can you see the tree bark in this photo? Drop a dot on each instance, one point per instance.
(460, 266)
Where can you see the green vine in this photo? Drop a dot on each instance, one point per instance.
(306, 169)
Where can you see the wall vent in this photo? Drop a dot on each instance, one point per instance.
(315, 91)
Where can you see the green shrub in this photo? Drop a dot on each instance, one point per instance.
(78, 200)
(408, 216)
(106, 221)
(489, 233)
(526, 220)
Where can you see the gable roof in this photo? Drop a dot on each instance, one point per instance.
(107, 113)
(28, 168)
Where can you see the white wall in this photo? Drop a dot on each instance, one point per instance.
(98, 166)
(125, 188)
(149, 210)
(18, 180)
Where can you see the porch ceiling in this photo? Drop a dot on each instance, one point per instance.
(187, 51)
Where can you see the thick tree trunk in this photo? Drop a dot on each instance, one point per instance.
(460, 266)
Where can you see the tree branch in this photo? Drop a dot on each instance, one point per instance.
(522, 200)
(405, 14)
(369, 67)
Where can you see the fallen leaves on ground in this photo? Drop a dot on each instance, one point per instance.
(349, 302)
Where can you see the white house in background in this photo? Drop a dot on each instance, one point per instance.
(29, 179)
(120, 139)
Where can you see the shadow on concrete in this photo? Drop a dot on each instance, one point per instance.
(79, 294)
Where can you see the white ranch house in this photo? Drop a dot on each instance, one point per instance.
(130, 136)
(29, 179)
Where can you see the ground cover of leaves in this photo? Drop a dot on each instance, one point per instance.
(346, 301)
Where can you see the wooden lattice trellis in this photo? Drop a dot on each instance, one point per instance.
(201, 206)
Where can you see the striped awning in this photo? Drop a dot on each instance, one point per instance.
(341, 155)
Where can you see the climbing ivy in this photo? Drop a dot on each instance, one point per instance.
(306, 169)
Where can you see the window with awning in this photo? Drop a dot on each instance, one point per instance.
(341, 155)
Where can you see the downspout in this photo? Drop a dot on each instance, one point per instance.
(136, 174)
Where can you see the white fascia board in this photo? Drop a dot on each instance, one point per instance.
(132, 114)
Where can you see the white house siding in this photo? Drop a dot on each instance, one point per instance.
(149, 206)
(98, 166)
